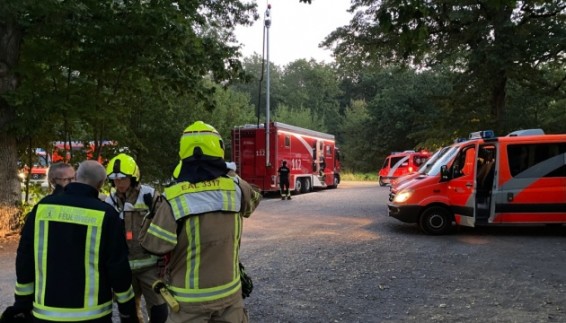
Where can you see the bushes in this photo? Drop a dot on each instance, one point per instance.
(346, 176)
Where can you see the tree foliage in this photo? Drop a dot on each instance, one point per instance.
(488, 43)
(121, 70)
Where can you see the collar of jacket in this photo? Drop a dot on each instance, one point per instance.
(76, 188)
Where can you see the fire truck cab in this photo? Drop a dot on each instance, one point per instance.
(398, 164)
(488, 180)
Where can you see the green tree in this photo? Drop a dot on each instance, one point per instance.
(355, 145)
(312, 86)
(255, 85)
(488, 43)
(300, 118)
(81, 68)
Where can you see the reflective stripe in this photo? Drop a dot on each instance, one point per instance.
(40, 250)
(237, 235)
(92, 219)
(71, 314)
(221, 194)
(186, 199)
(142, 263)
(205, 294)
(91, 266)
(125, 296)
(193, 252)
(161, 233)
(199, 133)
(24, 289)
(192, 292)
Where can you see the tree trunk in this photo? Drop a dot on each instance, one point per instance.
(498, 97)
(10, 196)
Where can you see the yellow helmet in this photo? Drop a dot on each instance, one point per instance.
(177, 170)
(204, 137)
(122, 166)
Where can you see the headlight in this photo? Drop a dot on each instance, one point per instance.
(403, 196)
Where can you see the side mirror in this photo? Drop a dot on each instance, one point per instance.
(444, 173)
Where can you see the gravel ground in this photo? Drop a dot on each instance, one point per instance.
(335, 256)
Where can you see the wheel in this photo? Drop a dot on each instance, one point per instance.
(306, 186)
(436, 220)
(381, 183)
(298, 186)
(335, 182)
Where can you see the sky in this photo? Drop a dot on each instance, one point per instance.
(296, 29)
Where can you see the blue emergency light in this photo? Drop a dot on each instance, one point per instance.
(485, 134)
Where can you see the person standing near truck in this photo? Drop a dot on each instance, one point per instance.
(284, 172)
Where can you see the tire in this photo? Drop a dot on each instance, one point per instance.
(298, 186)
(335, 182)
(306, 186)
(436, 220)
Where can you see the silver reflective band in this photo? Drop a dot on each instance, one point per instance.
(206, 201)
(143, 263)
(72, 315)
(198, 294)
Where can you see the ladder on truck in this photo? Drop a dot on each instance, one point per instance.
(237, 148)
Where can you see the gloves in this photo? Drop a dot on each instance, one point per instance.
(14, 314)
(131, 318)
(128, 313)
(247, 284)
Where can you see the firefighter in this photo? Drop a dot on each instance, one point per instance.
(72, 257)
(135, 203)
(202, 226)
(284, 172)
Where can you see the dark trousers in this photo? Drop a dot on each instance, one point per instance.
(284, 188)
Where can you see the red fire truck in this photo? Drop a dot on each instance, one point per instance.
(65, 151)
(38, 169)
(312, 156)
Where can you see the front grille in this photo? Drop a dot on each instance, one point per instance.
(37, 177)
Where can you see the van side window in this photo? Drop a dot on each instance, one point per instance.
(396, 160)
(464, 163)
(525, 156)
(385, 163)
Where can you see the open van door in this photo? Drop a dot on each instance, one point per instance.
(461, 186)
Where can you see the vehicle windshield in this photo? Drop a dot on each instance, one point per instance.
(428, 164)
(449, 153)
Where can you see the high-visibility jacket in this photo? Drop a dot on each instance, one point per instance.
(202, 226)
(134, 211)
(72, 257)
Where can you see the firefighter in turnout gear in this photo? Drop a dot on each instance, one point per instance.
(72, 258)
(202, 227)
(135, 203)
(284, 172)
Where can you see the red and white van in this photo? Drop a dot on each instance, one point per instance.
(401, 163)
(488, 180)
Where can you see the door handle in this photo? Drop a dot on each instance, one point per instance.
(469, 185)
